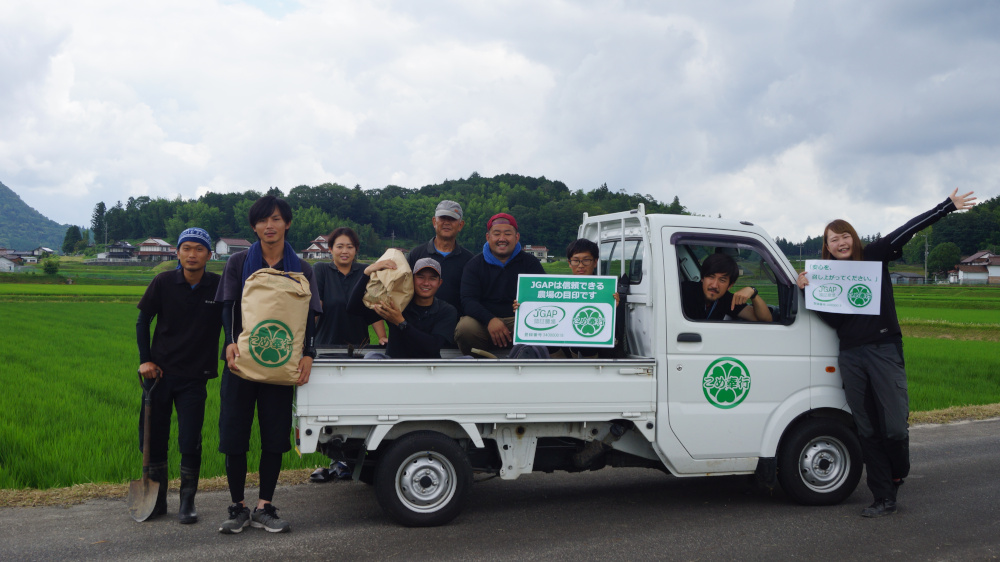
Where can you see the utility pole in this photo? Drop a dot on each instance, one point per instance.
(926, 253)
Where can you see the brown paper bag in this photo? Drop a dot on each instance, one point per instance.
(275, 308)
(386, 284)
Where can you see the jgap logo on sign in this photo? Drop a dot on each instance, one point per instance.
(271, 343)
(828, 292)
(545, 317)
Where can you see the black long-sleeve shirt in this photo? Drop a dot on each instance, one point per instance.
(860, 329)
(428, 328)
(488, 291)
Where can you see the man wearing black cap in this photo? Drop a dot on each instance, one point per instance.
(489, 287)
(446, 250)
(421, 329)
(184, 356)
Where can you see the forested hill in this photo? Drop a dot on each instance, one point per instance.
(23, 228)
(547, 211)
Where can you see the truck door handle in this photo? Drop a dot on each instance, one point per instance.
(688, 337)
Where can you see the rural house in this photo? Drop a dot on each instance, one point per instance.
(906, 278)
(540, 252)
(229, 246)
(121, 250)
(979, 269)
(156, 249)
(319, 249)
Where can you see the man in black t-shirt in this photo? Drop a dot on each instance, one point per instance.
(184, 355)
(710, 299)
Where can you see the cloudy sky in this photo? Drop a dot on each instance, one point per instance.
(785, 113)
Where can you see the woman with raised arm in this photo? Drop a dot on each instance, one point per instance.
(871, 355)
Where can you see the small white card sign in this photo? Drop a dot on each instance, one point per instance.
(561, 310)
(844, 286)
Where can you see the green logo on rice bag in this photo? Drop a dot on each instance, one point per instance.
(271, 343)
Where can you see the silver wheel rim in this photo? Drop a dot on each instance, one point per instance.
(824, 464)
(425, 482)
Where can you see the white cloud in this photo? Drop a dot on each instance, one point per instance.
(779, 112)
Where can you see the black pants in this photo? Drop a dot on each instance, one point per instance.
(273, 404)
(274, 415)
(187, 395)
(875, 384)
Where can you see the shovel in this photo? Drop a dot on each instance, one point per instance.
(142, 493)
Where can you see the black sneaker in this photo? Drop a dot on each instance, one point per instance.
(879, 508)
(267, 519)
(239, 518)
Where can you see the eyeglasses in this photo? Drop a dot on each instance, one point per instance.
(584, 261)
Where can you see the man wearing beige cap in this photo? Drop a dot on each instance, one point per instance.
(446, 250)
(422, 328)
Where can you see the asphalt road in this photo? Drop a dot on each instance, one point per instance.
(948, 511)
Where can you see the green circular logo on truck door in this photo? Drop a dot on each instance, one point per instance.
(726, 382)
(271, 343)
(859, 295)
(588, 321)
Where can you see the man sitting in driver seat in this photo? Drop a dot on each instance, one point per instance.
(710, 298)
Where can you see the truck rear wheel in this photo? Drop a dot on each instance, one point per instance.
(423, 479)
(819, 462)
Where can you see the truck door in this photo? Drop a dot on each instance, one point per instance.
(727, 378)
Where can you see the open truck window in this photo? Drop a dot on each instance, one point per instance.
(756, 268)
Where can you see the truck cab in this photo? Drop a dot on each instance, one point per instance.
(689, 397)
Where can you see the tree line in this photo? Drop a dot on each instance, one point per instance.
(547, 211)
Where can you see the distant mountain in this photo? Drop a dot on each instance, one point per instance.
(23, 228)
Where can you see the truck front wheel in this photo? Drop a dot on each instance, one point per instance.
(423, 479)
(819, 462)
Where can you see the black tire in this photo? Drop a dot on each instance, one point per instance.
(423, 479)
(367, 475)
(819, 462)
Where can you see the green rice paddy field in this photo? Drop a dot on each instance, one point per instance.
(71, 396)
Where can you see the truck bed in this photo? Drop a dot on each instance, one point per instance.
(359, 392)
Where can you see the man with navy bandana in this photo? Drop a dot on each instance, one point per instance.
(489, 287)
(183, 356)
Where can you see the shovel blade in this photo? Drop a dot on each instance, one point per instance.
(142, 498)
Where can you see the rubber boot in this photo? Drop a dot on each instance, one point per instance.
(158, 473)
(189, 486)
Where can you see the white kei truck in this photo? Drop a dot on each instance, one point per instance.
(688, 397)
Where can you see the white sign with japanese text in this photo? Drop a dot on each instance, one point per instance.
(844, 286)
(566, 310)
